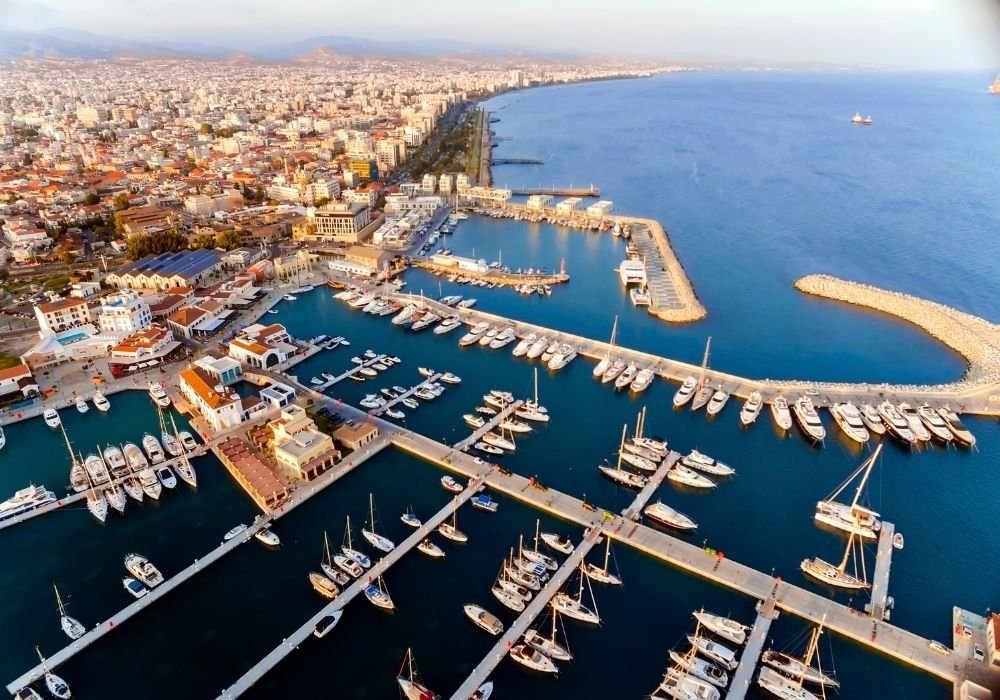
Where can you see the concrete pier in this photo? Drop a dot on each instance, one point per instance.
(406, 394)
(344, 375)
(493, 422)
(740, 683)
(879, 607)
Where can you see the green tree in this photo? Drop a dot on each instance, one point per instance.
(228, 240)
(91, 198)
(203, 240)
(121, 202)
(154, 244)
(321, 202)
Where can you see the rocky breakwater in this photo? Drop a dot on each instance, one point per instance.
(976, 339)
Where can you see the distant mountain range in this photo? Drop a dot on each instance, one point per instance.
(70, 43)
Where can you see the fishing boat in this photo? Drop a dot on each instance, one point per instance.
(688, 477)
(780, 413)
(267, 537)
(685, 392)
(101, 402)
(158, 394)
(450, 484)
(722, 626)
(558, 542)
(704, 463)
(348, 549)
(751, 408)
(665, 515)
(836, 575)
(852, 518)
(574, 607)
(25, 500)
(529, 657)
(327, 623)
(549, 645)
(51, 417)
(700, 668)
(410, 684)
(935, 424)
(602, 574)
(133, 587)
(166, 476)
(896, 425)
(849, 420)
(450, 530)
(962, 434)
(913, 419)
(379, 542)
(152, 447)
(324, 586)
(143, 570)
(483, 619)
(861, 121)
(56, 686)
(378, 596)
(73, 628)
(720, 654)
(808, 419)
(717, 402)
(81, 405)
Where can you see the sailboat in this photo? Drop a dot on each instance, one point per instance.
(603, 574)
(623, 476)
(348, 549)
(852, 518)
(72, 627)
(690, 663)
(450, 530)
(549, 645)
(574, 607)
(531, 409)
(328, 565)
(53, 683)
(184, 468)
(837, 576)
(379, 542)
(783, 675)
(536, 554)
(409, 683)
(705, 391)
(377, 594)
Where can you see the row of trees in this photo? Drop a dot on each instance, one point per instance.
(171, 241)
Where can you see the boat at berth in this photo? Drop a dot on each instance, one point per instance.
(848, 418)
(809, 421)
(751, 408)
(780, 413)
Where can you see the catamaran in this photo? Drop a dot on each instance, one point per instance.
(853, 518)
(73, 628)
(751, 408)
(722, 626)
(409, 684)
(780, 413)
(808, 419)
(379, 542)
(849, 420)
(574, 607)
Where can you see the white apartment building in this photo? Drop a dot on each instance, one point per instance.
(125, 314)
(429, 184)
(445, 184)
(341, 222)
(398, 203)
(58, 315)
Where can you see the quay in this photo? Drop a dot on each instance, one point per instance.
(879, 607)
(489, 425)
(750, 657)
(498, 277)
(974, 398)
(516, 161)
(591, 191)
(291, 642)
(298, 496)
(534, 608)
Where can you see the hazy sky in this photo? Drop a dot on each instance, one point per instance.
(907, 33)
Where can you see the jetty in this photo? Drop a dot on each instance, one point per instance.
(879, 607)
(406, 394)
(302, 633)
(490, 276)
(591, 191)
(344, 375)
(750, 657)
(516, 161)
(489, 425)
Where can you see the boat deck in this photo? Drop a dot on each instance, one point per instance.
(493, 422)
(879, 607)
(740, 684)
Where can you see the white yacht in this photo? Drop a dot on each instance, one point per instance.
(158, 394)
(665, 515)
(627, 376)
(101, 401)
(448, 324)
(431, 549)
(537, 348)
(521, 349)
(704, 463)
(962, 434)
(751, 408)
(97, 504)
(624, 477)
(871, 419)
(720, 654)
(489, 335)
(150, 484)
(152, 447)
(935, 423)
(565, 355)
(379, 542)
(115, 460)
(234, 532)
(134, 457)
(451, 378)
(722, 626)
(166, 476)
(403, 316)
(688, 477)
(410, 686)
(143, 570)
(483, 619)
(702, 396)
(474, 334)
(573, 607)
(187, 441)
(81, 405)
(717, 402)
(642, 380)
(503, 338)
(25, 500)
(685, 392)
(96, 469)
(327, 623)
(324, 586)
(780, 413)
(808, 419)
(680, 685)
(783, 687)
(895, 423)
(558, 542)
(913, 419)
(3, 438)
(51, 417)
(267, 537)
(134, 588)
(530, 657)
(171, 444)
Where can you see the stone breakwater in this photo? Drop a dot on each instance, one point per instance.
(974, 338)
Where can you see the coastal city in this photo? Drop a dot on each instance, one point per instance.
(279, 336)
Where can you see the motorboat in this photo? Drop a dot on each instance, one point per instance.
(378, 596)
(935, 424)
(642, 380)
(808, 419)
(431, 549)
(704, 463)
(913, 419)
(484, 619)
(521, 349)
(51, 417)
(267, 537)
(484, 502)
(665, 515)
(372, 401)
(717, 402)
(166, 476)
(473, 420)
(466, 303)
(871, 419)
(565, 355)
(474, 334)
(424, 321)
(348, 565)
(702, 396)
(101, 402)
(486, 410)
(848, 419)
(449, 378)
(896, 425)
(404, 316)
(81, 405)
(134, 587)
(143, 570)
(289, 297)
(685, 392)
(502, 339)
(3, 439)
(450, 484)
(29, 693)
(96, 469)
(530, 657)
(152, 447)
(158, 394)
(25, 500)
(751, 408)
(723, 626)
(171, 444)
(560, 543)
(515, 426)
(324, 586)
(187, 441)
(688, 477)
(537, 348)
(720, 654)
(425, 372)
(327, 623)
(234, 532)
(134, 457)
(115, 459)
(962, 434)
(626, 377)
(368, 371)
(780, 413)
(700, 668)
(150, 484)
(410, 403)
(489, 335)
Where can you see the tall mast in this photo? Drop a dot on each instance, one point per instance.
(813, 643)
(326, 546)
(621, 446)
(864, 479)
(704, 360)
(538, 524)
(607, 553)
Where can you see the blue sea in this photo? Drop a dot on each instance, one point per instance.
(759, 179)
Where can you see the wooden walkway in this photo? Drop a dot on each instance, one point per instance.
(290, 643)
(740, 684)
(534, 608)
(489, 425)
(879, 607)
(299, 496)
